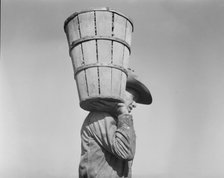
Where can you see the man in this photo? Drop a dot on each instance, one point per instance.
(108, 138)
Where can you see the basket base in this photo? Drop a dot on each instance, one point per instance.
(102, 104)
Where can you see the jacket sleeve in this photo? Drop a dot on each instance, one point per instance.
(116, 137)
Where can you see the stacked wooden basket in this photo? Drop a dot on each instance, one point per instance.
(99, 45)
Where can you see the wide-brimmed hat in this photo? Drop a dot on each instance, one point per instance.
(144, 95)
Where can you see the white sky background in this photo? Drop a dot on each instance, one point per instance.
(177, 50)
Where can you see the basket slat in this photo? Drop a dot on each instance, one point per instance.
(123, 84)
(104, 23)
(89, 49)
(117, 53)
(116, 82)
(104, 28)
(87, 28)
(86, 22)
(76, 55)
(128, 33)
(82, 87)
(72, 31)
(119, 27)
(104, 57)
(93, 86)
(126, 58)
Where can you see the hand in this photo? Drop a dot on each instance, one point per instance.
(121, 108)
(131, 106)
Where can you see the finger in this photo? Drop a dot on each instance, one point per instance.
(121, 104)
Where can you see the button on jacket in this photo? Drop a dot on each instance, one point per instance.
(108, 146)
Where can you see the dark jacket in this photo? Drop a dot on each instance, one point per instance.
(108, 146)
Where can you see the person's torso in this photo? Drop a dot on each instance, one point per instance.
(97, 162)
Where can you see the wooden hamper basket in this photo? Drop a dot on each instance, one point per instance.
(99, 45)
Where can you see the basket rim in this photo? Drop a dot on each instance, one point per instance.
(97, 9)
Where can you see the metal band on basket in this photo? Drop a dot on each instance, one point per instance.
(95, 10)
(89, 38)
(79, 69)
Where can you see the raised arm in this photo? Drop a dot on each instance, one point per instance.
(116, 136)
